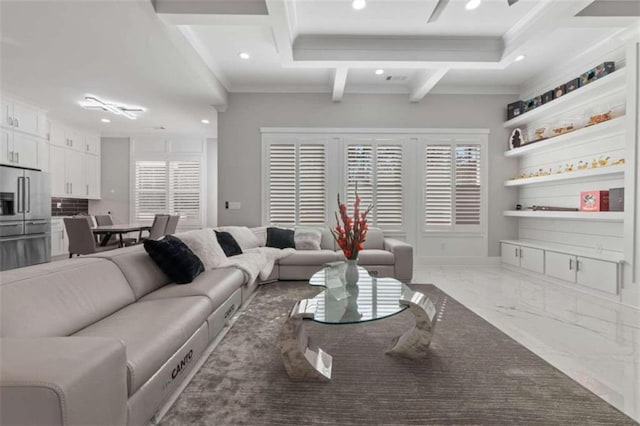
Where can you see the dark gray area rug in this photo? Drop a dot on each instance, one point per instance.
(475, 374)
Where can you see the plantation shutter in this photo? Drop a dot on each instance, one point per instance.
(438, 185)
(282, 184)
(360, 171)
(311, 185)
(389, 189)
(467, 194)
(151, 189)
(184, 189)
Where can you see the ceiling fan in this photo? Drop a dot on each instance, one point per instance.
(442, 4)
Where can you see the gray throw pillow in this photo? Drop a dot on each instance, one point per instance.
(307, 238)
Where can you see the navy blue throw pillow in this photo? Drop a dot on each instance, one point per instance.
(280, 238)
(229, 244)
(175, 259)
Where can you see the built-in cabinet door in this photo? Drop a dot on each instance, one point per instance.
(560, 265)
(59, 187)
(74, 165)
(510, 254)
(92, 144)
(532, 259)
(43, 155)
(25, 148)
(57, 134)
(59, 240)
(6, 112)
(75, 139)
(92, 176)
(25, 118)
(6, 136)
(597, 274)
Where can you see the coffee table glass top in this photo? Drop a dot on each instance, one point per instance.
(371, 299)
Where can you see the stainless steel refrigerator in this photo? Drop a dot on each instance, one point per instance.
(25, 217)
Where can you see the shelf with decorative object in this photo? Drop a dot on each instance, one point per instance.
(606, 86)
(599, 171)
(567, 215)
(605, 129)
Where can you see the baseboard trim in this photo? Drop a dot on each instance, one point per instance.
(455, 260)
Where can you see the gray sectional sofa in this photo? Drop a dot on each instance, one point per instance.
(107, 339)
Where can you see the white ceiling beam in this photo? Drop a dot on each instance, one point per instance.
(210, 20)
(339, 83)
(612, 8)
(217, 7)
(283, 26)
(424, 81)
(398, 48)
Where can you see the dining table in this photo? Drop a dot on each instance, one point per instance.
(109, 230)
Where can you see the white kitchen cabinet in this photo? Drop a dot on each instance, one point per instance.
(75, 139)
(597, 274)
(23, 118)
(57, 134)
(92, 143)
(57, 166)
(6, 120)
(74, 174)
(25, 148)
(43, 155)
(5, 146)
(523, 257)
(92, 176)
(59, 238)
(561, 266)
(62, 135)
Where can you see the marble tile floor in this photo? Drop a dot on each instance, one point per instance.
(594, 341)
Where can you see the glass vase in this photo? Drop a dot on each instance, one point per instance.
(351, 273)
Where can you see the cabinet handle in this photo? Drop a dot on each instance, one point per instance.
(87, 189)
(10, 120)
(18, 157)
(87, 147)
(516, 251)
(570, 264)
(578, 265)
(11, 156)
(17, 122)
(70, 187)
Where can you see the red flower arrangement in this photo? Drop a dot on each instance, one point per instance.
(352, 233)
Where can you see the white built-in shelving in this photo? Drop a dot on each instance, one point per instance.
(605, 86)
(608, 128)
(567, 215)
(577, 174)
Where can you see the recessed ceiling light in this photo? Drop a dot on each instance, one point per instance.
(105, 120)
(244, 55)
(472, 4)
(205, 121)
(359, 4)
(519, 58)
(379, 72)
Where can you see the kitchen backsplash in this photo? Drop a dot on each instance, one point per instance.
(68, 206)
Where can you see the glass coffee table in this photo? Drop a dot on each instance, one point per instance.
(371, 299)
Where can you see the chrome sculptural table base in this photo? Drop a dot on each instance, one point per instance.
(415, 342)
(302, 362)
(299, 359)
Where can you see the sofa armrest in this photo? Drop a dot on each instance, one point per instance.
(403, 257)
(63, 381)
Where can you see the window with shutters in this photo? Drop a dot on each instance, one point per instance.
(377, 168)
(168, 187)
(296, 187)
(452, 187)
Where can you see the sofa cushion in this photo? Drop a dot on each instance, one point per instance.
(152, 331)
(374, 257)
(280, 238)
(229, 244)
(139, 269)
(245, 238)
(310, 257)
(204, 244)
(59, 298)
(216, 284)
(327, 242)
(175, 258)
(374, 239)
(307, 238)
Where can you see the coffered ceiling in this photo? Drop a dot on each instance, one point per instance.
(328, 46)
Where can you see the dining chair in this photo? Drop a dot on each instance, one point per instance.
(172, 224)
(81, 239)
(158, 227)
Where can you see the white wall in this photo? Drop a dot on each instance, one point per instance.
(114, 163)
(239, 140)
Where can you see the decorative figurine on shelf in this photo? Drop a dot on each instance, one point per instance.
(582, 165)
(559, 170)
(618, 162)
(518, 206)
(516, 140)
(568, 168)
(603, 161)
(594, 164)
